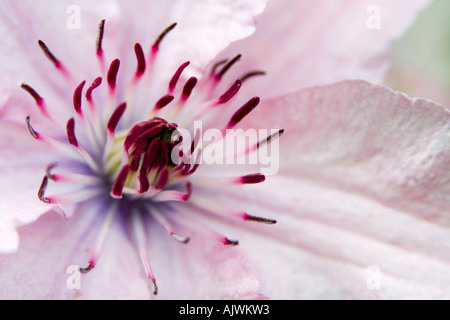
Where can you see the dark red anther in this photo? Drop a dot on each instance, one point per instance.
(101, 32)
(143, 181)
(112, 73)
(42, 189)
(243, 112)
(116, 116)
(188, 87)
(141, 64)
(33, 133)
(162, 179)
(137, 153)
(77, 97)
(252, 74)
(149, 133)
(150, 155)
(71, 133)
(49, 54)
(227, 66)
(156, 44)
(253, 178)
(230, 93)
(39, 100)
(95, 84)
(229, 242)
(164, 101)
(173, 82)
(164, 153)
(120, 182)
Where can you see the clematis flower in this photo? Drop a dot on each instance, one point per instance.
(361, 196)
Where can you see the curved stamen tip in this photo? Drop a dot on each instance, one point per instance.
(39, 100)
(157, 43)
(33, 132)
(48, 171)
(42, 189)
(227, 67)
(50, 56)
(180, 239)
(154, 287)
(88, 268)
(252, 74)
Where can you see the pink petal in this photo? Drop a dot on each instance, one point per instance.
(305, 43)
(327, 242)
(192, 271)
(364, 181)
(19, 183)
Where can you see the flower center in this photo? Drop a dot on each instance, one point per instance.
(136, 161)
(148, 147)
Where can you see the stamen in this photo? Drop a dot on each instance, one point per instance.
(71, 133)
(164, 101)
(173, 82)
(217, 65)
(252, 178)
(57, 145)
(95, 84)
(243, 112)
(49, 54)
(227, 212)
(101, 32)
(141, 64)
(173, 195)
(115, 118)
(188, 87)
(77, 98)
(120, 182)
(112, 74)
(246, 216)
(42, 189)
(39, 100)
(230, 93)
(270, 138)
(165, 223)
(227, 67)
(252, 74)
(162, 179)
(207, 231)
(98, 245)
(155, 46)
(33, 132)
(139, 232)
